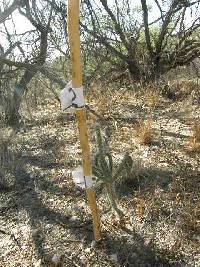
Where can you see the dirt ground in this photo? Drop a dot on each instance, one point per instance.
(44, 217)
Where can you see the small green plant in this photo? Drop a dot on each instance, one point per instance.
(107, 172)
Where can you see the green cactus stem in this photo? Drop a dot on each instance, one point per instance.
(103, 169)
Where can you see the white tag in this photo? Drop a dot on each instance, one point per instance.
(72, 97)
(66, 96)
(81, 180)
(79, 100)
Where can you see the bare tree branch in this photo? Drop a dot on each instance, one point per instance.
(7, 12)
(34, 68)
(116, 24)
(146, 26)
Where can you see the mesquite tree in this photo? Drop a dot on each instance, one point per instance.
(116, 36)
(147, 48)
(24, 53)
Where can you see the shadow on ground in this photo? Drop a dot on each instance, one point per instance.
(132, 250)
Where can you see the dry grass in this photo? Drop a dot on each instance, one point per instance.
(152, 96)
(8, 161)
(153, 99)
(186, 87)
(100, 99)
(144, 132)
(182, 89)
(165, 216)
(140, 207)
(106, 101)
(196, 131)
(194, 141)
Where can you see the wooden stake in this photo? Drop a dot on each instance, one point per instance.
(74, 41)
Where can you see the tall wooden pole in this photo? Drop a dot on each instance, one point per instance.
(76, 66)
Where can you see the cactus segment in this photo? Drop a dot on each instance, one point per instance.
(103, 168)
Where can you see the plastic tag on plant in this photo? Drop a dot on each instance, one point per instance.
(81, 180)
(66, 96)
(71, 97)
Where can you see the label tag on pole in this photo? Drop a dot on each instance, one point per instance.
(72, 97)
(81, 180)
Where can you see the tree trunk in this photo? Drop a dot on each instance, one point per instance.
(12, 112)
(134, 71)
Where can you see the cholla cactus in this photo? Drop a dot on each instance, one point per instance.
(105, 171)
